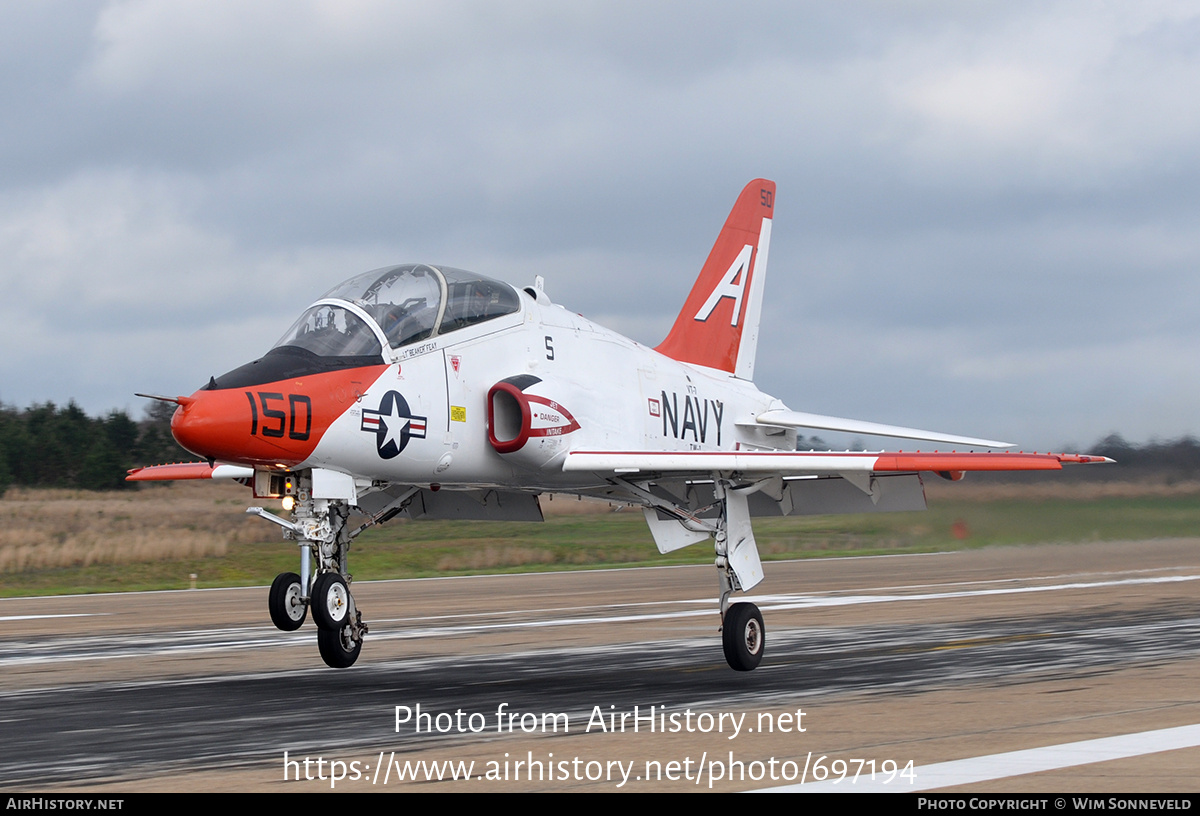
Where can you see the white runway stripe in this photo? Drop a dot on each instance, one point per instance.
(265, 636)
(1014, 763)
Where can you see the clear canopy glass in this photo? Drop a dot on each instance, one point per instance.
(412, 302)
(332, 331)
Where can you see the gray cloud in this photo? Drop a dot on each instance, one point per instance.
(987, 214)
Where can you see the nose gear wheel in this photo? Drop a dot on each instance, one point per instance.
(286, 602)
(339, 647)
(330, 601)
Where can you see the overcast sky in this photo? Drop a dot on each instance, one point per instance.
(988, 214)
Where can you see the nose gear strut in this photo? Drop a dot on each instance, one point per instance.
(320, 528)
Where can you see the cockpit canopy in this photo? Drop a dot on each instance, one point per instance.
(331, 331)
(409, 303)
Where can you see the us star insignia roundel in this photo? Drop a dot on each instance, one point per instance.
(393, 425)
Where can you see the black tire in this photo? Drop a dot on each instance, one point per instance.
(338, 649)
(330, 601)
(743, 636)
(286, 602)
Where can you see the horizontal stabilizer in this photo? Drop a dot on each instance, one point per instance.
(797, 419)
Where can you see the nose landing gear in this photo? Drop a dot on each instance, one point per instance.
(320, 528)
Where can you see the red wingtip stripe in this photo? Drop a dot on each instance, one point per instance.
(998, 461)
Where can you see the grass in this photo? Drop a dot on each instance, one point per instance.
(56, 542)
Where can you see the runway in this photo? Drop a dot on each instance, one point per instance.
(540, 680)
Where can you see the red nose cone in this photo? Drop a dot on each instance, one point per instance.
(277, 425)
(204, 425)
(231, 426)
(269, 423)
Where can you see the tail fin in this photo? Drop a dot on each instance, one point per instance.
(718, 326)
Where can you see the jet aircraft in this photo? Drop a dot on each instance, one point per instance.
(437, 393)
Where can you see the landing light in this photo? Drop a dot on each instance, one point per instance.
(288, 503)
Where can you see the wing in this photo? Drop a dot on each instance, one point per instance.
(188, 470)
(678, 488)
(801, 463)
(809, 482)
(414, 502)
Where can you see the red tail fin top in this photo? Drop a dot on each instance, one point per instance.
(718, 326)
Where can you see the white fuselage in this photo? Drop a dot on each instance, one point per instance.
(621, 394)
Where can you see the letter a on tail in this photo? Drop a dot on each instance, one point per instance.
(718, 327)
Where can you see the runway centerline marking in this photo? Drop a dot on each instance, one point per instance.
(1015, 763)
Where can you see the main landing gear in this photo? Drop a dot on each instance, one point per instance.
(743, 636)
(320, 528)
(675, 523)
